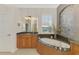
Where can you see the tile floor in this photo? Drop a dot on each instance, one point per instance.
(22, 52)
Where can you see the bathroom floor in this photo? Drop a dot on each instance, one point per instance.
(22, 52)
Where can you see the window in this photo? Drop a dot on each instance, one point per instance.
(46, 23)
(46, 20)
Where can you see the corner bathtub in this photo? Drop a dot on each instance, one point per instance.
(49, 46)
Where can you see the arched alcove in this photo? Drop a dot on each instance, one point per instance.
(68, 22)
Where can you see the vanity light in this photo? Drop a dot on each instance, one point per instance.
(26, 18)
(30, 18)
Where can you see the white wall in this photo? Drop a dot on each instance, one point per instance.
(34, 5)
(8, 28)
(38, 12)
(76, 22)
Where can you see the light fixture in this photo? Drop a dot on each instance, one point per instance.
(30, 18)
(27, 17)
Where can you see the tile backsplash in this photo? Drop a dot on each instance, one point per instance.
(46, 35)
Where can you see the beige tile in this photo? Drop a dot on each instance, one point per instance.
(22, 52)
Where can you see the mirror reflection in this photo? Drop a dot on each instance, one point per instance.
(31, 24)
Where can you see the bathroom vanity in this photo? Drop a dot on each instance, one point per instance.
(26, 40)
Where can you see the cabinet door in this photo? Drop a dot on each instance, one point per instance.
(18, 37)
(26, 41)
(19, 41)
(33, 41)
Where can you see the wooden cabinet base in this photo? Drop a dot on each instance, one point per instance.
(44, 50)
(26, 41)
(33, 41)
(74, 48)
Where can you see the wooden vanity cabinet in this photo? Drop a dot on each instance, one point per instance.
(74, 48)
(33, 41)
(19, 41)
(26, 41)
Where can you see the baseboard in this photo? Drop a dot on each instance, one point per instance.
(14, 50)
(8, 51)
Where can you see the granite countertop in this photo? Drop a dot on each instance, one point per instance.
(27, 33)
(73, 41)
(68, 39)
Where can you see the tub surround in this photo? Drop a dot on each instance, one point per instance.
(45, 50)
(73, 44)
(46, 36)
(58, 37)
(56, 44)
(62, 38)
(74, 47)
(43, 47)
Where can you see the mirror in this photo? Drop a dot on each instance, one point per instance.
(31, 23)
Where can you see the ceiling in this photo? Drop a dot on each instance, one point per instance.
(34, 5)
